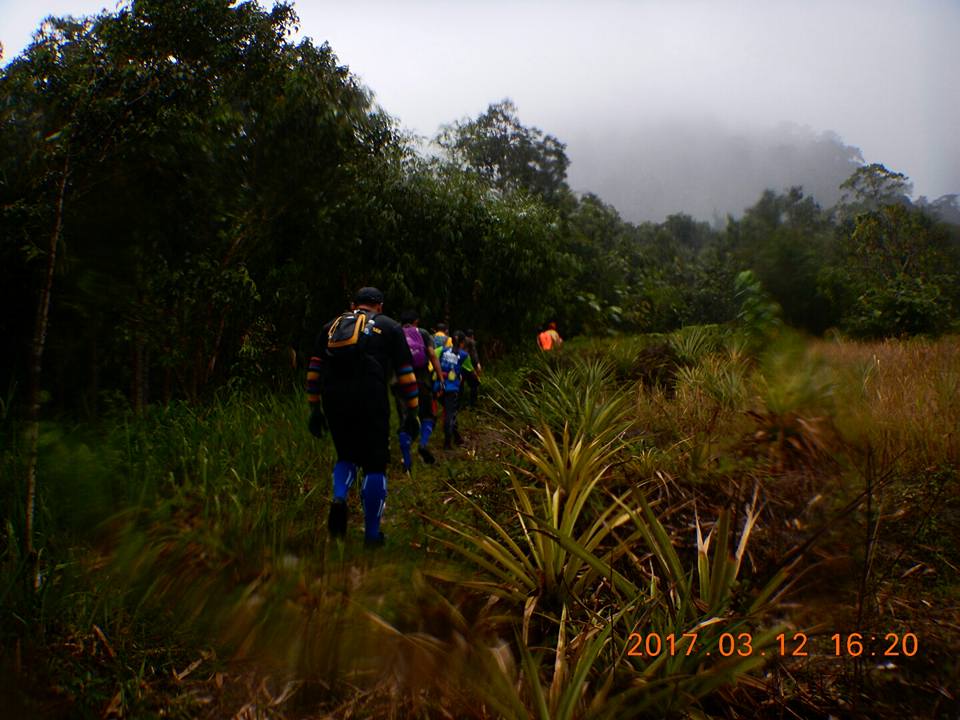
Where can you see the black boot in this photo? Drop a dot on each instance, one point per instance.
(337, 520)
(376, 542)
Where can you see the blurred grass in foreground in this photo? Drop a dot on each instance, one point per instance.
(605, 490)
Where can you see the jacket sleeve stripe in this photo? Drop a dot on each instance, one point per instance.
(313, 380)
(407, 385)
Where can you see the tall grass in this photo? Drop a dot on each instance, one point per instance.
(620, 511)
(174, 517)
(900, 395)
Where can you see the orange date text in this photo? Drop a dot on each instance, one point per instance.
(784, 645)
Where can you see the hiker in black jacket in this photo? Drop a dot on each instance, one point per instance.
(355, 356)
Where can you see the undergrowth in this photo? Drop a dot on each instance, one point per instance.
(614, 492)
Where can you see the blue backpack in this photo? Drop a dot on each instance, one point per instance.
(451, 362)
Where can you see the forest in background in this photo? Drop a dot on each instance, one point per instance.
(741, 438)
(194, 195)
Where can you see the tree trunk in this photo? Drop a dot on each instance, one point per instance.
(134, 374)
(216, 345)
(36, 364)
(138, 382)
(95, 377)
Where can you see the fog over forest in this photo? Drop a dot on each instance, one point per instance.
(664, 107)
(705, 168)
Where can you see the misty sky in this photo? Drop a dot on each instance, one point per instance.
(603, 75)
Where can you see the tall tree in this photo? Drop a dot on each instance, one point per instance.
(873, 186)
(896, 272)
(48, 128)
(507, 153)
(784, 238)
(159, 163)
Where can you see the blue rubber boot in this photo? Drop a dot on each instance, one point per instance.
(373, 493)
(426, 430)
(406, 442)
(344, 473)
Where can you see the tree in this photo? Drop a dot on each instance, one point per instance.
(159, 164)
(873, 186)
(895, 268)
(214, 154)
(46, 126)
(896, 273)
(945, 208)
(784, 238)
(508, 154)
(598, 240)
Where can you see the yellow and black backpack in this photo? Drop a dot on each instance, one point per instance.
(349, 335)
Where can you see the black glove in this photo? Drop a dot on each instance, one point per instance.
(318, 423)
(411, 424)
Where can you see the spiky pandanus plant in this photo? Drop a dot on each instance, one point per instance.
(553, 492)
(586, 568)
(795, 408)
(576, 394)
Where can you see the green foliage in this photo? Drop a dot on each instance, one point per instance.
(194, 534)
(145, 525)
(759, 315)
(722, 380)
(600, 242)
(170, 112)
(225, 191)
(245, 187)
(872, 187)
(229, 190)
(784, 239)
(904, 306)
(538, 569)
(796, 395)
(559, 395)
(694, 342)
(577, 422)
(791, 381)
(898, 274)
(509, 155)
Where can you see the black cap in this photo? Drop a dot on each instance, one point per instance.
(368, 296)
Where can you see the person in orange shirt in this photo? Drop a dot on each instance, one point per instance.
(550, 339)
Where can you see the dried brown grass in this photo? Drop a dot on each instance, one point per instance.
(899, 395)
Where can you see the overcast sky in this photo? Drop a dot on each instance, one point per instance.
(881, 74)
